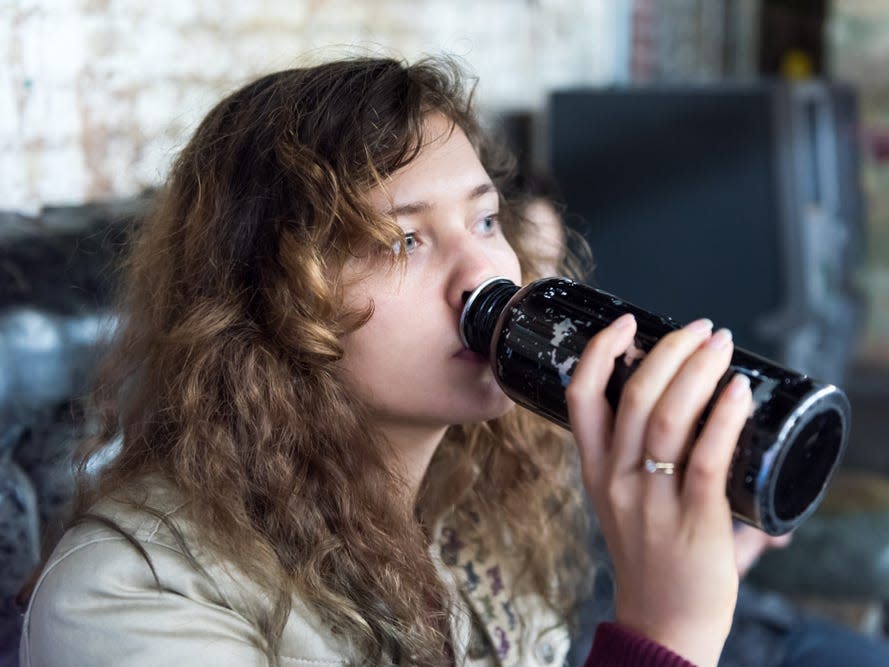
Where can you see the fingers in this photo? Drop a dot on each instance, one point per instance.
(670, 536)
(589, 412)
(708, 465)
(751, 543)
(779, 541)
(675, 417)
(644, 389)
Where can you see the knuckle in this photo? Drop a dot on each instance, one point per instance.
(617, 497)
(663, 425)
(634, 394)
(705, 469)
(575, 392)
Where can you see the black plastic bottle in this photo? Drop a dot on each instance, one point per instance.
(787, 452)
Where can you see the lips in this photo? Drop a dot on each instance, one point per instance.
(468, 355)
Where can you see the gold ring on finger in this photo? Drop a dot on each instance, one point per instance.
(653, 466)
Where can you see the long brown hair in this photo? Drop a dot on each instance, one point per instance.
(224, 376)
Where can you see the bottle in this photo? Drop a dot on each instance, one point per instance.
(790, 445)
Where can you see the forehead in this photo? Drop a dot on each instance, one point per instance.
(446, 166)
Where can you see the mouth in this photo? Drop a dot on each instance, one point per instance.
(465, 354)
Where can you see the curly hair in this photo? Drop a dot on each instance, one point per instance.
(223, 377)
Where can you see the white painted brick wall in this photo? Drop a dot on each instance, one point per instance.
(96, 96)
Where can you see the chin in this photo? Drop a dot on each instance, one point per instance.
(493, 409)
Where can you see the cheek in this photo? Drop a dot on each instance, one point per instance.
(368, 346)
(508, 265)
(361, 362)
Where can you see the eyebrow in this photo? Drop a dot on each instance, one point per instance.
(412, 208)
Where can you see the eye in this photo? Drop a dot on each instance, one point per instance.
(410, 241)
(488, 224)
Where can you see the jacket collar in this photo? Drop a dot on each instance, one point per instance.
(483, 584)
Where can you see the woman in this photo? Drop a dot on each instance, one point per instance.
(312, 470)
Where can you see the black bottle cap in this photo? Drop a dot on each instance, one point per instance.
(481, 311)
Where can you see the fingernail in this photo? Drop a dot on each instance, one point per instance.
(720, 339)
(623, 321)
(739, 386)
(700, 326)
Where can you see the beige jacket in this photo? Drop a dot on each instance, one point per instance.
(96, 603)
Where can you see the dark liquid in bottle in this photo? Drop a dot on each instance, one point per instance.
(789, 447)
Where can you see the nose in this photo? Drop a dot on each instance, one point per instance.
(471, 267)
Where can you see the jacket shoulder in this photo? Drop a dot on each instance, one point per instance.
(120, 589)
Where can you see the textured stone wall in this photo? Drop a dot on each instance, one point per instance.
(97, 95)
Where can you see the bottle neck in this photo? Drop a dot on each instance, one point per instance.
(481, 312)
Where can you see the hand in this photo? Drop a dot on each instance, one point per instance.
(750, 544)
(670, 536)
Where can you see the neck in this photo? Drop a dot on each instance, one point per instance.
(414, 446)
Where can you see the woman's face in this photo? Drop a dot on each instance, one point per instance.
(407, 363)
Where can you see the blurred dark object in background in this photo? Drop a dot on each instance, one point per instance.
(56, 286)
(737, 202)
(791, 40)
(742, 202)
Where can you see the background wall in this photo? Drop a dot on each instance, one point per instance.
(97, 95)
(858, 51)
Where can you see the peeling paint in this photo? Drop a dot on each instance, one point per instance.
(104, 93)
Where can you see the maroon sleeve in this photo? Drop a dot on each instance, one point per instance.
(616, 646)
